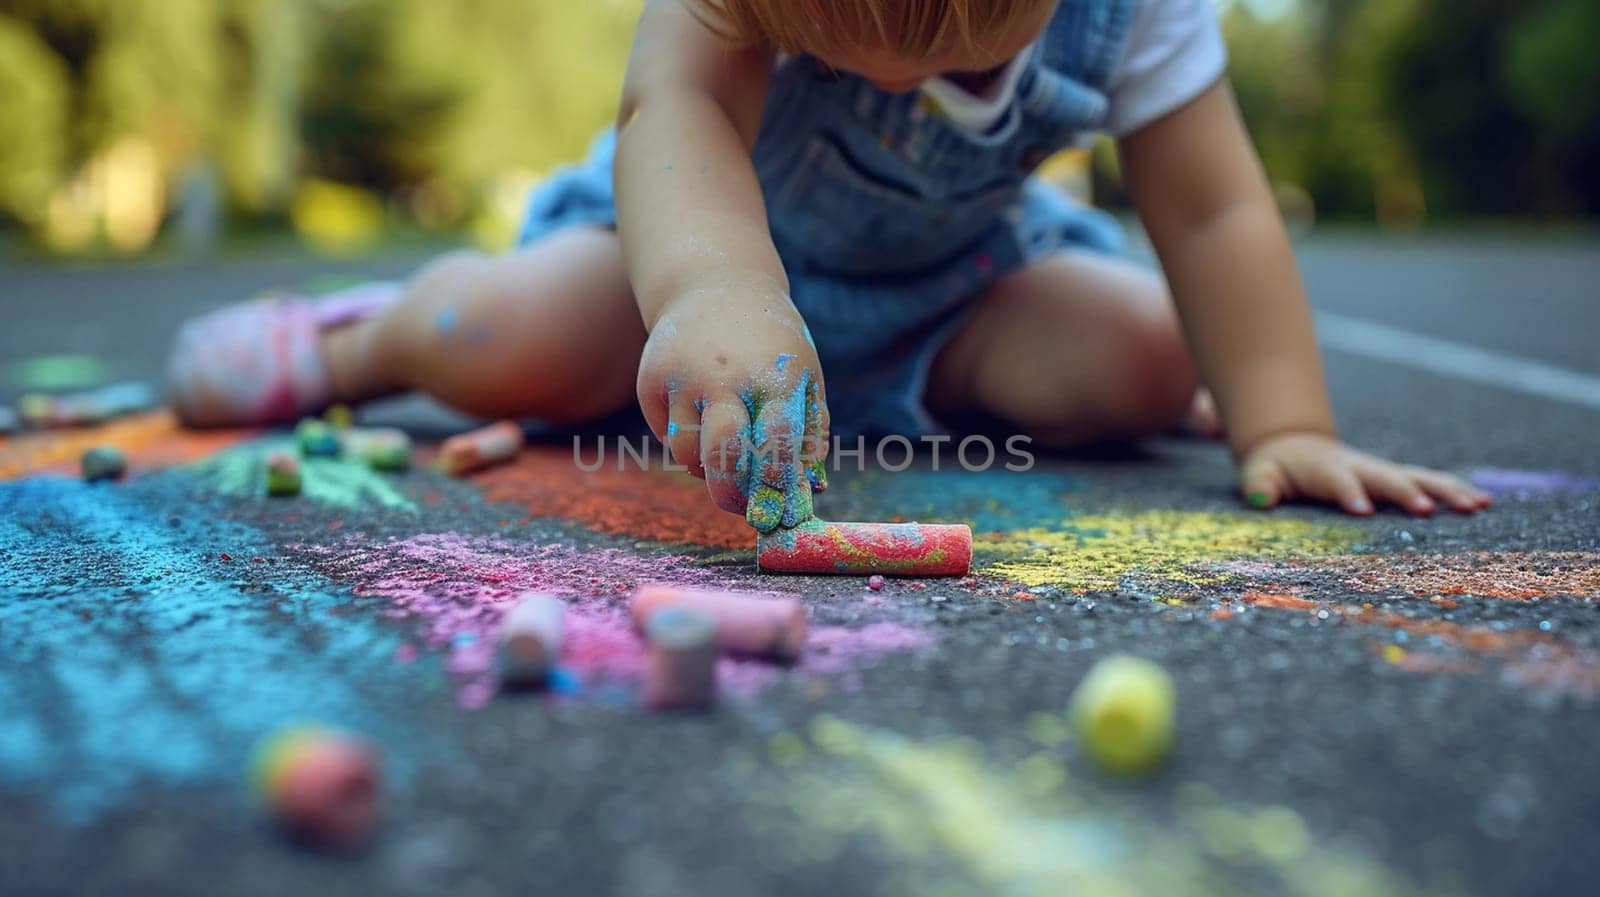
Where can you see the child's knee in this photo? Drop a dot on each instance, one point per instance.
(1155, 369)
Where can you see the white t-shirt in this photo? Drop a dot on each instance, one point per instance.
(1173, 54)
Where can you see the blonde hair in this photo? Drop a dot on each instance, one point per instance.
(911, 29)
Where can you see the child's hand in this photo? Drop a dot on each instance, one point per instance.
(1317, 466)
(735, 392)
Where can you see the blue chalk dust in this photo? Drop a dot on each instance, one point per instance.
(135, 656)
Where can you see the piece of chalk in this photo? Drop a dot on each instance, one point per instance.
(901, 549)
(77, 410)
(340, 417)
(382, 448)
(119, 399)
(36, 409)
(745, 624)
(319, 784)
(283, 474)
(530, 640)
(1123, 713)
(493, 444)
(317, 439)
(103, 463)
(875, 582)
(683, 659)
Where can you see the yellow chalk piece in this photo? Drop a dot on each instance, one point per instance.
(340, 417)
(1123, 714)
(1394, 653)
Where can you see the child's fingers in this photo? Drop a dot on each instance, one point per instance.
(1338, 483)
(724, 438)
(1389, 482)
(683, 431)
(782, 494)
(814, 453)
(1263, 484)
(1457, 493)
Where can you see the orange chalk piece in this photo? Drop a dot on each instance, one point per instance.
(320, 784)
(774, 628)
(683, 659)
(894, 549)
(530, 640)
(491, 445)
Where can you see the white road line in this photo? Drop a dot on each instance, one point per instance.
(1354, 336)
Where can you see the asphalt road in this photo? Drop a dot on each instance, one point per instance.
(1446, 748)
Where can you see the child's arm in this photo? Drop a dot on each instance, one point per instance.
(1204, 199)
(728, 357)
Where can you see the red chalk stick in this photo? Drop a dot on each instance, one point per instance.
(746, 624)
(479, 449)
(897, 549)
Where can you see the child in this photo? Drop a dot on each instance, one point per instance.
(804, 186)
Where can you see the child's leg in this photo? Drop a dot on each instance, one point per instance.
(1078, 348)
(550, 331)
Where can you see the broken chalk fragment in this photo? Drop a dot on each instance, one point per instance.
(901, 549)
(317, 439)
(875, 582)
(319, 784)
(382, 448)
(1123, 713)
(103, 463)
(493, 444)
(283, 474)
(340, 417)
(530, 640)
(745, 624)
(683, 659)
(36, 409)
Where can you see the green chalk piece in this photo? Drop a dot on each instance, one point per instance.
(36, 409)
(103, 463)
(317, 439)
(1259, 499)
(283, 474)
(1123, 714)
(58, 372)
(384, 449)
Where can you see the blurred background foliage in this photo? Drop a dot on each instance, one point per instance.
(126, 122)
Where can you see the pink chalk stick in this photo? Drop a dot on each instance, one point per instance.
(481, 448)
(896, 549)
(745, 624)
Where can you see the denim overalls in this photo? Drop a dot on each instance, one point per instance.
(890, 220)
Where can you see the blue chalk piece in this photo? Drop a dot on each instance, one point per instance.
(446, 320)
(563, 681)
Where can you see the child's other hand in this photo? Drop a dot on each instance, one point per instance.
(1317, 466)
(736, 394)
